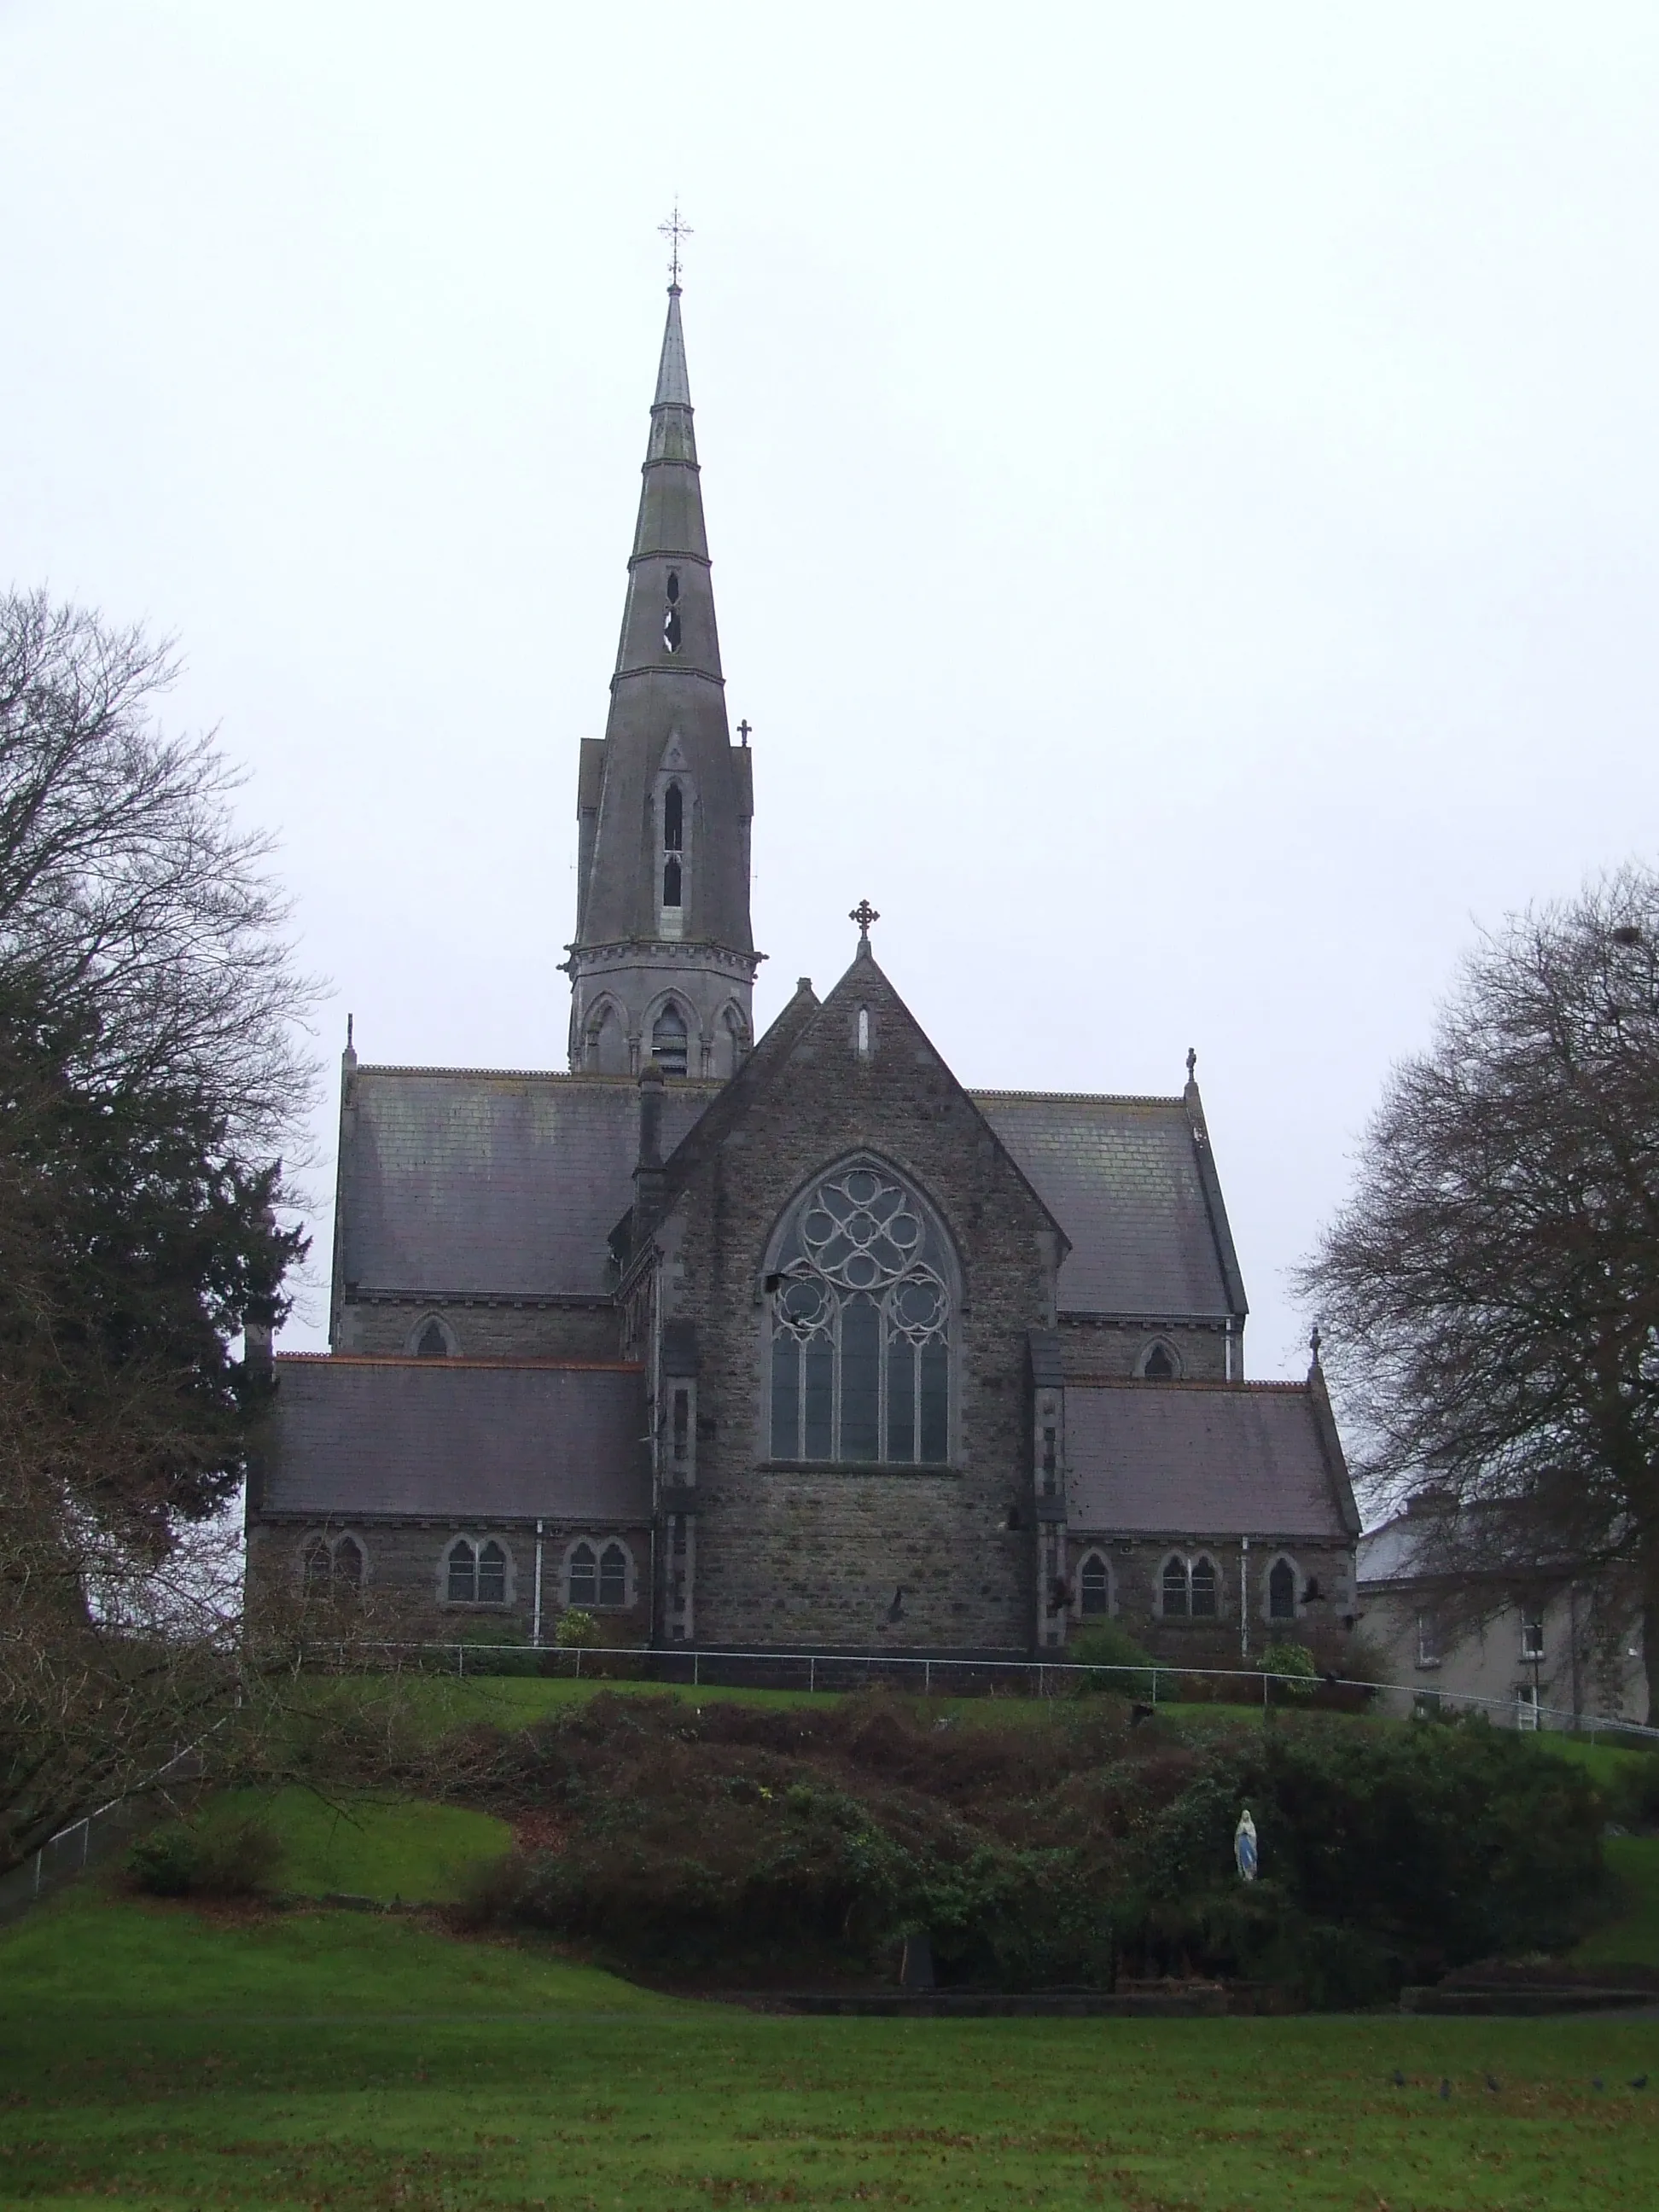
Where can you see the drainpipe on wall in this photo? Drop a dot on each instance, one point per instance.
(536, 1624)
(1243, 1594)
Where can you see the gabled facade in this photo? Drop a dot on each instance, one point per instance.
(794, 1343)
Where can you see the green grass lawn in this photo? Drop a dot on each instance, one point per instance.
(361, 1846)
(1632, 1938)
(153, 2055)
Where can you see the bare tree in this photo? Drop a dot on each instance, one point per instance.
(1491, 1289)
(153, 1066)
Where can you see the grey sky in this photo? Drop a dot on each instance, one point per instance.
(1181, 480)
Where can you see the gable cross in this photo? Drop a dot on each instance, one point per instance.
(864, 914)
(744, 729)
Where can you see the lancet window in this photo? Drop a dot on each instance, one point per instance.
(861, 1326)
(671, 1041)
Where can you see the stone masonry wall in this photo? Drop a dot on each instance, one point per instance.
(485, 1331)
(404, 1573)
(1136, 1565)
(1115, 1349)
(791, 1557)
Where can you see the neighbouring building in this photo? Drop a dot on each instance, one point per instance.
(788, 1342)
(1548, 1648)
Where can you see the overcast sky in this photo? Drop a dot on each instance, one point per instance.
(1182, 484)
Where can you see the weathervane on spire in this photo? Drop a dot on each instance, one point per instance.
(674, 230)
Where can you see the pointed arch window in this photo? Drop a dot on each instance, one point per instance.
(671, 613)
(672, 873)
(432, 1343)
(1174, 1589)
(474, 1573)
(1282, 1591)
(862, 1317)
(1095, 1585)
(671, 1041)
(582, 1579)
(1203, 1589)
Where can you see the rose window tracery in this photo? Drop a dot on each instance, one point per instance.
(860, 1354)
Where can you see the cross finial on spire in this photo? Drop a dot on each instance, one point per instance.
(1313, 1343)
(674, 230)
(864, 914)
(1192, 1063)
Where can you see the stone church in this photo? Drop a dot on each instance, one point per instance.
(788, 1342)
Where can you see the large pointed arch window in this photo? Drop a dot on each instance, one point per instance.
(861, 1317)
(672, 906)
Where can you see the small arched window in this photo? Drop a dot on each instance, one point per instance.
(349, 1562)
(673, 819)
(1159, 1363)
(670, 1041)
(462, 1583)
(613, 1575)
(492, 1575)
(432, 1343)
(1203, 1589)
(1096, 1585)
(584, 1575)
(1282, 1591)
(671, 613)
(673, 881)
(1173, 1588)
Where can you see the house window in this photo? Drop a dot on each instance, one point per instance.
(1282, 1591)
(584, 1575)
(1204, 1590)
(669, 1041)
(1096, 1585)
(613, 1575)
(1173, 1588)
(861, 1326)
(476, 1574)
(1531, 1637)
(1428, 1640)
(1526, 1704)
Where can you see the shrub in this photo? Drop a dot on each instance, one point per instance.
(735, 1842)
(215, 1858)
(1107, 1644)
(577, 1631)
(1294, 1660)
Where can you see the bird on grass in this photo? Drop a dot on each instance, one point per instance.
(1399, 2079)
(1445, 2088)
(1640, 2082)
(1493, 2083)
(1598, 2083)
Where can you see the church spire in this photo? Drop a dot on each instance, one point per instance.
(662, 962)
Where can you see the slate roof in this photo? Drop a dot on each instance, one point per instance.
(1136, 1193)
(355, 1439)
(1203, 1459)
(464, 1181)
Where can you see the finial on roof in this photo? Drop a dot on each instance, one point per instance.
(349, 1022)
(864, 914)
(1313, 1343)
(1192, 1063)
(674, 230)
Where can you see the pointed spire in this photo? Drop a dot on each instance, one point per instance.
(673, 384)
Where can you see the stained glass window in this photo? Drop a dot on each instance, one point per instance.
(862, 1327)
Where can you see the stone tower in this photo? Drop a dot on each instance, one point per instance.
(663, 963)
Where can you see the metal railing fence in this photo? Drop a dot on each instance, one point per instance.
(679, 1665)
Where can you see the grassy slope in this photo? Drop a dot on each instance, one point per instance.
(370, 1846)
(153, 2057)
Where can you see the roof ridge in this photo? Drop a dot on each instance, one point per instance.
(1085, 1097)
(542, 1075)
(451, 1361)
(1181, 1389)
